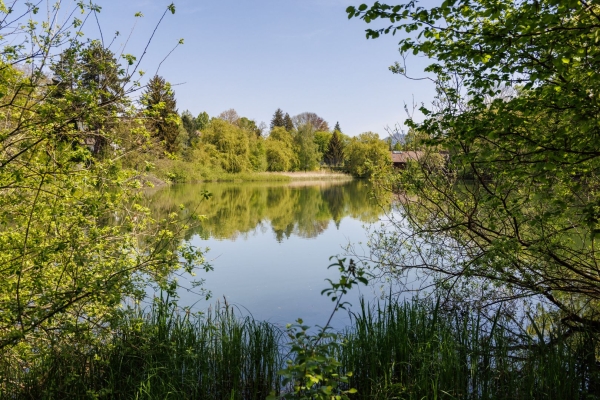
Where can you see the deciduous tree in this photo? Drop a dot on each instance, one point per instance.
(318, 123)
(76, 240)
(306, 148)
(516, 211)
(366, 154)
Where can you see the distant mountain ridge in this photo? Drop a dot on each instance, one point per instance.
(396, 137)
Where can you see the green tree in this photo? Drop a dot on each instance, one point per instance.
(84, 70)
(232, 145)
(306, 148)
(278, 119)
(322, 139)
(161, 110)
(288, 123)
(189, 122)
(516, 211)
(250, 126)
(366, 154)
(202, 120)
(335, 150)
(76, 241)
(279, 148)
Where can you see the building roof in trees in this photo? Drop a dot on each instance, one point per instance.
(402, 157)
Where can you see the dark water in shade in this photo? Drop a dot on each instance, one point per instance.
(270, 244)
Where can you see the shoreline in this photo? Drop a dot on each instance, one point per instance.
(151, 180)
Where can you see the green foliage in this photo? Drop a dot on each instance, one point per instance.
(278, 119)
(322, 139)
(161, 353)
(249, 125)
(314, 373)
(337, 127)
(202, 121)
(279, 148)
(75, 239)
(366, 154)
(334, 155)
(160, 104)
(230, 143)
(517, 112)
(188, 121)
(426, 349)
(238, 208)
(288, 123)
(306, 148)
(86, 73)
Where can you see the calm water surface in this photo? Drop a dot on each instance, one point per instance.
(270, 243)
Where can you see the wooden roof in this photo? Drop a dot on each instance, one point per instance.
(401, 157)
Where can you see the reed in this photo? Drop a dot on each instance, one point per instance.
(410, 350)
(414, 350)
(160, 354)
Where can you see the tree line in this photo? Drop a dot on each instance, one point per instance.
(233, 143)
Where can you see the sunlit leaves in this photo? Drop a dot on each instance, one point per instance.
(516, 113)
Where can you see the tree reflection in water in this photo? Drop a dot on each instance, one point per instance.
(304, 209)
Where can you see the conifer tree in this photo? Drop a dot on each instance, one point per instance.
(159, 100)
(289, 124)
(337, 127)
(189, 122)
(335, 150)
(91, 70)
(278, 119)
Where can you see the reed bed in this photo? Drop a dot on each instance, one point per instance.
(416, 351)
(410, 350)
(160, 354)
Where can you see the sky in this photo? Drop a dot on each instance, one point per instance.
(260, 55)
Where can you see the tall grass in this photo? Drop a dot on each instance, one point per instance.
(411, 350)
(415, 351)
(160, 354)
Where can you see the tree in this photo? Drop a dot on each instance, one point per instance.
(515, 213)
(322, 139)
(337, 127)
(279, 148)
(76, 240)
(249, 125)
(278, 119)
(334, 156)
(288, 123)
(306, 148)
(189, 122)
(202, 121)
(366, 154)
(161, 109)
(318, 123)
(231, 143)
(230, 116)
(90, 69)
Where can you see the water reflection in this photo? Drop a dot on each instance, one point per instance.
(300, 209)
(279, 240)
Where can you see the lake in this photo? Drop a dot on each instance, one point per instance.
(270, 243)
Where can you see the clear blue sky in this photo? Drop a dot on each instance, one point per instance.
(256, 56)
